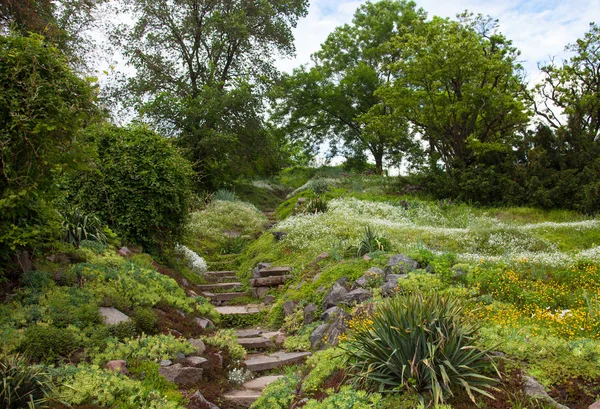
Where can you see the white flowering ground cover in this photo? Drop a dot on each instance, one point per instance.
(471, 234)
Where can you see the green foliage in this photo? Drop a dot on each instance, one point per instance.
(243, 320)
(371, 242)
(78, 227)
(43, 105)
(227, 338)
(316, 205)
(433, 346)
(145, 321)
(144, 347)
(322, 365)
(319, 186)
(139, 185)
(23, 385)
(234, 245)
(225, 195)
(346, 398)
(90, 385)
(44, 343)
(279, 394)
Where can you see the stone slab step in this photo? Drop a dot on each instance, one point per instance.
(248, 333)
(222, 278)
(238, 309)
(223, 297)
(256, 343)
(271, 281)
(219, 273)
(274, 271)
(219, 286)
(261, 383)
(242, 398)
(261, 362)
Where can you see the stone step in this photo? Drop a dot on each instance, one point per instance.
(256, 343)
(248, 333)
(261, 362)
(243, 398)
(219, 286)
(259, 384)
(223, 297)
(238, 309)
(274, 271)
(222, 279)
(272, 281)
(226, 273)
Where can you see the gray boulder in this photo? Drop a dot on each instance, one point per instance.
(401, 264)
(336, 294)
(357, 296)
(112, 316)
(309, 314)
(534, 389)
(390, 287)
(289, 307)
(330, 313)
(317, 336)
(373, 274)
(181, 375)
(201, 400)
(199, 344)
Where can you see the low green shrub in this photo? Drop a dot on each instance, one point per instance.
(78, 226)
(144, 347)
(225, 195)
(90, 385)
(371, 242)
(227, 338)
(123, 330)
(422, 343)
(316, 205)
(322, 365)
(44, 343)
(145, 321)
(23, 385)
(279, 394)
(234, 245)
(346, 398)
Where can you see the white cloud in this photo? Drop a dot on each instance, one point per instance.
(539, 28)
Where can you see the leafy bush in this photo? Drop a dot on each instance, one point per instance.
(139, 185)
(43, 105)
(227, 338)
(48, 344)
(23, 385)
(90, 385)
(319, 186)
(346, 398)
(421, 343)
(225, 195)
(145, 320)
(145, 347)
(322, 365)
(279, 394)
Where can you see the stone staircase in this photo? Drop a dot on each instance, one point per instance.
(271, 217)
(220, 291)
(260, 361)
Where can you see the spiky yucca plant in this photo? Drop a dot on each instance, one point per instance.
(23, 386)
(422, 343)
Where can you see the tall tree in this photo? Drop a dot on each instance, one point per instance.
(461, 87)
(62, 22)
(336, 98)
(195, 58)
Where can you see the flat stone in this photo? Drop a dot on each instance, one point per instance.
(534, 389)
(261, 383)
(112, 316)
(357, 296)
(166, 362)
(272, 281)
(195, 361)
(117, 365)
(274, 271)
(199, 398)
(204, 323)
(219, 286)
(256, 343)
(199, 344)
(260, 292)
(260, 362)
(124, 252)
(269, 299)
(248, 333)
(243, 398)
(228, 296)
(289, 307)
(595, 405)
(321, 257)
(238, 309)
(181, 375)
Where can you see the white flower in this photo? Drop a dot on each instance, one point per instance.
(195, 263)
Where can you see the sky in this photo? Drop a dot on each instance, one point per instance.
(539, 28)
